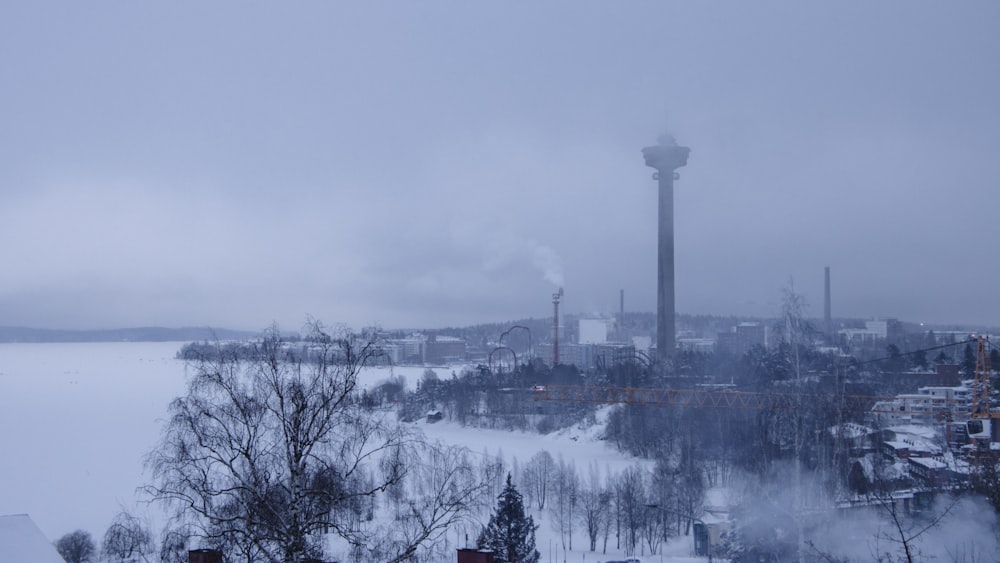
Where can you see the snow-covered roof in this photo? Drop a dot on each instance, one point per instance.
(715, 517)
(22, 542)
(443, 338)
(932, 388)
(913, 446)
(850, 430)
(915, 430)
(717, 499)
(928, 462)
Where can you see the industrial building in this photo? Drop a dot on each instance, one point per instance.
(742, 338)
(422, 349)
(876, 331)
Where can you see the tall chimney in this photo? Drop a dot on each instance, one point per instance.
(555, 326)
(666, 157)
(621, 315)
(827, 318)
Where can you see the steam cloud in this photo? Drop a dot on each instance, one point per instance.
(506, 250)
(546, 260)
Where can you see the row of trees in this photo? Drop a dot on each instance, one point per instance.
(614, 509)
(498, 400)
(126, 539)
(643, 506)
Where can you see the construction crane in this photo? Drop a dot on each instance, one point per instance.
(981, 415)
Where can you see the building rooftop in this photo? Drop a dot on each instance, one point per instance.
(22, 542)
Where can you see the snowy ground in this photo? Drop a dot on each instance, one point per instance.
(579, 445)
(77, 419)
(75, 422)
(411, 374)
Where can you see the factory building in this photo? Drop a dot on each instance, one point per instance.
(419, 348)
(742, 338)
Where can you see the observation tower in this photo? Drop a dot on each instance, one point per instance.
(666, 157)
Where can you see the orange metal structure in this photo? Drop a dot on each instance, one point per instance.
(705, 398)
(981, 388)
(724, 397)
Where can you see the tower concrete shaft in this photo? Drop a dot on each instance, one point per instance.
(666, 157)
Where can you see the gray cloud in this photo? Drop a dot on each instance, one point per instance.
(422, 165)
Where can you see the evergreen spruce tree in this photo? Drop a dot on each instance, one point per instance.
(510, 534)
(968, 361)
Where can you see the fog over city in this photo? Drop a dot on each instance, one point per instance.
(446, 163)
(412, 282)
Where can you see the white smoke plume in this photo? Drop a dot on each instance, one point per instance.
(506, 249)
(546, 260)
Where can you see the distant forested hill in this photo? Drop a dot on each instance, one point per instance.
(141, 334)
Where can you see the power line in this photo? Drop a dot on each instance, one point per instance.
(931, 349)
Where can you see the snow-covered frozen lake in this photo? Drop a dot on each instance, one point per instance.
(76, 421)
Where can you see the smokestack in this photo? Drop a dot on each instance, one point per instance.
(666, 157)
(621, 315)
(555, 326)
(827, 318)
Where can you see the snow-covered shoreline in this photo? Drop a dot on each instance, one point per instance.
(78, 419)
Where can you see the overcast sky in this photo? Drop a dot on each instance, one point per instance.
(443, 163)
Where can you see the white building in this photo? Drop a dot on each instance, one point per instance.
(875, 331)
(700, 345)
(593, 331)
(929, 405)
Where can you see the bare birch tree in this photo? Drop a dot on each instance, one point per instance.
(270, 444)
(595, 504)
(446, 489)
(537, 476)
(126, 539)
(565, 495)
